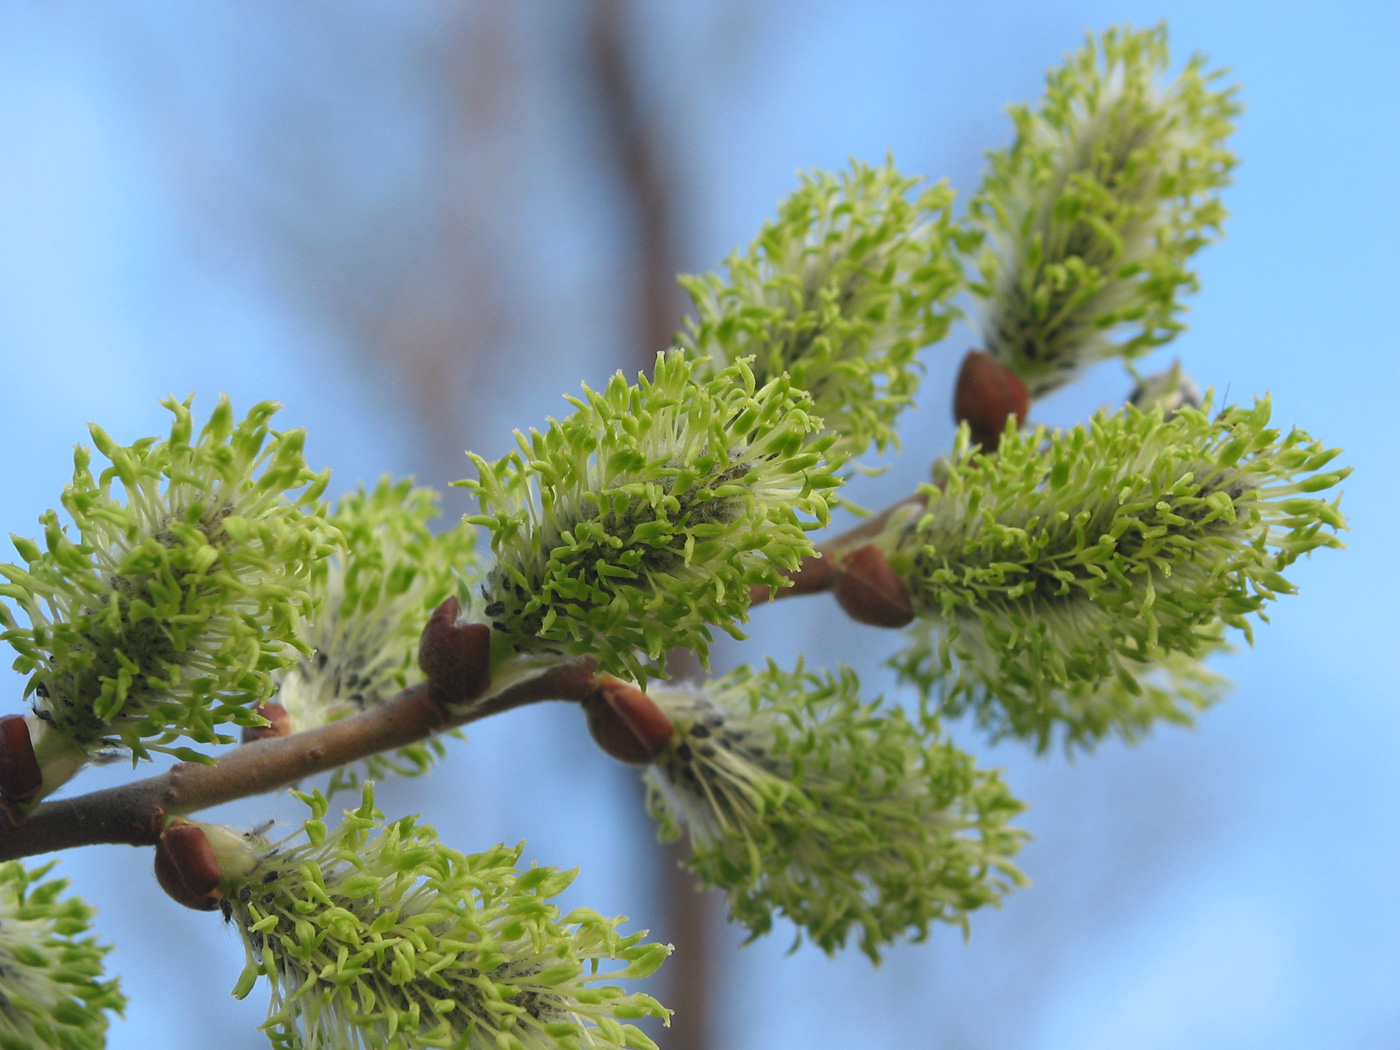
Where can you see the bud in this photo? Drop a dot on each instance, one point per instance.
(186, 867)
(869, 591)
(987, 395)
(456, 657)
(625, 722)
(20, 776)
(193, 859)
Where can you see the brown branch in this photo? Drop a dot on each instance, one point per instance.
(135, 813)
(635, 146)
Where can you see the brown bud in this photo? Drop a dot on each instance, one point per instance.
(869, 591)
(279, 723)
(626, 723)
(20, 776)
(455, 657)
(186, 867)
(988, 394)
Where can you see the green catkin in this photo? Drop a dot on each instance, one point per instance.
(802, 801)
(181, 590)
(53, 995)
(373, 598)
(375, 936)
(1073, 582)
(1093, 213)
(840, 292)
(635, 525)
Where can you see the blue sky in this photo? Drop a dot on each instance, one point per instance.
(1230, 886)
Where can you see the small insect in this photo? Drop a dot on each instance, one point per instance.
(258, 831)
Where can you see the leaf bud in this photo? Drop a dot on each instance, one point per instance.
(987, 395)
(456, 657)
(869, 591)
(20, 776)
(626, 723)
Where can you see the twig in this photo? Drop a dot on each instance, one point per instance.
(135, 813)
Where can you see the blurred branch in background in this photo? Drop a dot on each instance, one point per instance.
(401, 247)
(648, 186)
(421, 274)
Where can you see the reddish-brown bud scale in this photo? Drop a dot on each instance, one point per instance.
(626, 723)
(279, 723)
(186, 867)
(869, 591)
(987, 395)
(20, 775)
(455, 657)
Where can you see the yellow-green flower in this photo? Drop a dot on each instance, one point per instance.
(840, 292)
(373, 598)
(375, 936)
(1072, 583)
(1095, 210)
(53, 995)
(635, 525)
(180, 592)
(802, 801)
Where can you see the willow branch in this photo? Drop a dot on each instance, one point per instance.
(135, 813)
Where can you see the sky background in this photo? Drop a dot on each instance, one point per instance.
(309, 201)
